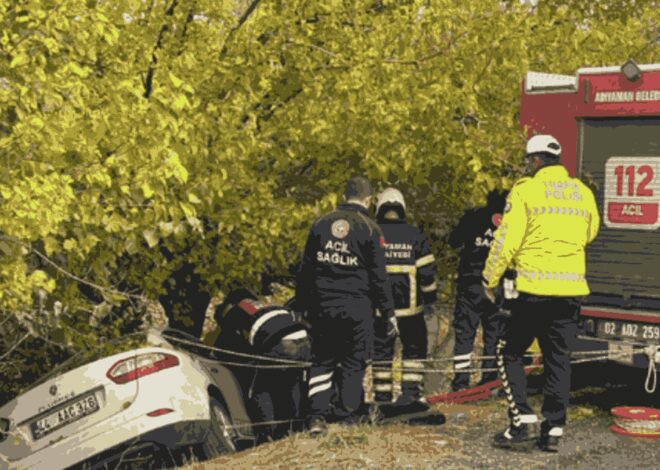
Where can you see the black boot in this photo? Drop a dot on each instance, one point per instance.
(408, 403)
(317, 426)
(513, 436)
(549, 437)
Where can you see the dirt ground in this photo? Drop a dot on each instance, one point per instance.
(463, 442)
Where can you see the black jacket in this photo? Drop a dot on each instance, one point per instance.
(343, 264)
(411, 266)
(251, 327)
(474, 235)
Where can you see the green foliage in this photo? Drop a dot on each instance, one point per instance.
(136, 136)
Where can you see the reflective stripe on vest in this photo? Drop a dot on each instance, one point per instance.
(411, 271)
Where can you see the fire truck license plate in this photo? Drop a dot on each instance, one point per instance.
(629, 331)
(632, 192)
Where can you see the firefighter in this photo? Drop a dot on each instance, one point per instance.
(411, 268)
(474, 235)
(549, 218)
(274, 393)
(341, 280)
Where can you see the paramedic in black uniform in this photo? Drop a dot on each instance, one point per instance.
(342, 280)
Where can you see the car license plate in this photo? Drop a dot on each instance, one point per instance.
(638, 332)
(73, 411)
(620, 352)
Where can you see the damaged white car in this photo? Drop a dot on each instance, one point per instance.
(136, 409)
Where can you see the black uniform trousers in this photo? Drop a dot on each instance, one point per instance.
(342, 339)
(473, 307)
(413, 336)
(553, 321)
(277, 396)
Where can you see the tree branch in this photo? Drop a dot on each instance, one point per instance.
(59, 268)
(18, 343)
(148, 82)
(241, 21)
(246, 14)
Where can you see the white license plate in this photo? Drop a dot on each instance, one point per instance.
(639, 332)
(620, 352)
(62, 416)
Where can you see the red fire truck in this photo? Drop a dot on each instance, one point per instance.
(608, 123)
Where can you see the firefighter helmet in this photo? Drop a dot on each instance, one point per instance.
(543, 143)
(390, 196)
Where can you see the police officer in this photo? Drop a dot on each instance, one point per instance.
(250, 327)
(341, 280)
(411, 267)
(474, 235)
(549, 218)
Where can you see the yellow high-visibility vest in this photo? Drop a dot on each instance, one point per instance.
(548, 221)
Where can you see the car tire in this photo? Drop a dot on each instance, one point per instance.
(221, 438)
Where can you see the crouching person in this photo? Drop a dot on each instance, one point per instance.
(274, 389)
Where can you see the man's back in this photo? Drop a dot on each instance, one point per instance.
(549, 219)
(411, 266)
(343, 252)
(474, 235)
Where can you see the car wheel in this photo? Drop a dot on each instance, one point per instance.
(221, 438)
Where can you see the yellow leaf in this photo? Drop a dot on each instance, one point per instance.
(147, 190)
(19, 60)
(188, 211)
(180, 102)
(151, 237)
(78, 70)
(193, 199)
(179, 171)
(176, 81)
(70, 244)
(166, 228)
(50, 245)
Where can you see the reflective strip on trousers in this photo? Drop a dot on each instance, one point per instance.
(413, 377)
(382, 375)
(463, 357)
(319, 388)
(424, 260)
(429, 288)
(412, 364)
(382, 387)
(320, 378)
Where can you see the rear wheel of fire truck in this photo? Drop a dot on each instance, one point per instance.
(221, 438)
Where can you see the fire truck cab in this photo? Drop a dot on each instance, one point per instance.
(608, 123)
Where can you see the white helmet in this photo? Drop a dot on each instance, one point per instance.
(543, 143)
(390, 196)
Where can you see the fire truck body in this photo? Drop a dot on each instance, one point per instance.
(608, 124)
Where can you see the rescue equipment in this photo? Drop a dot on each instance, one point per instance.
(636, 421)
